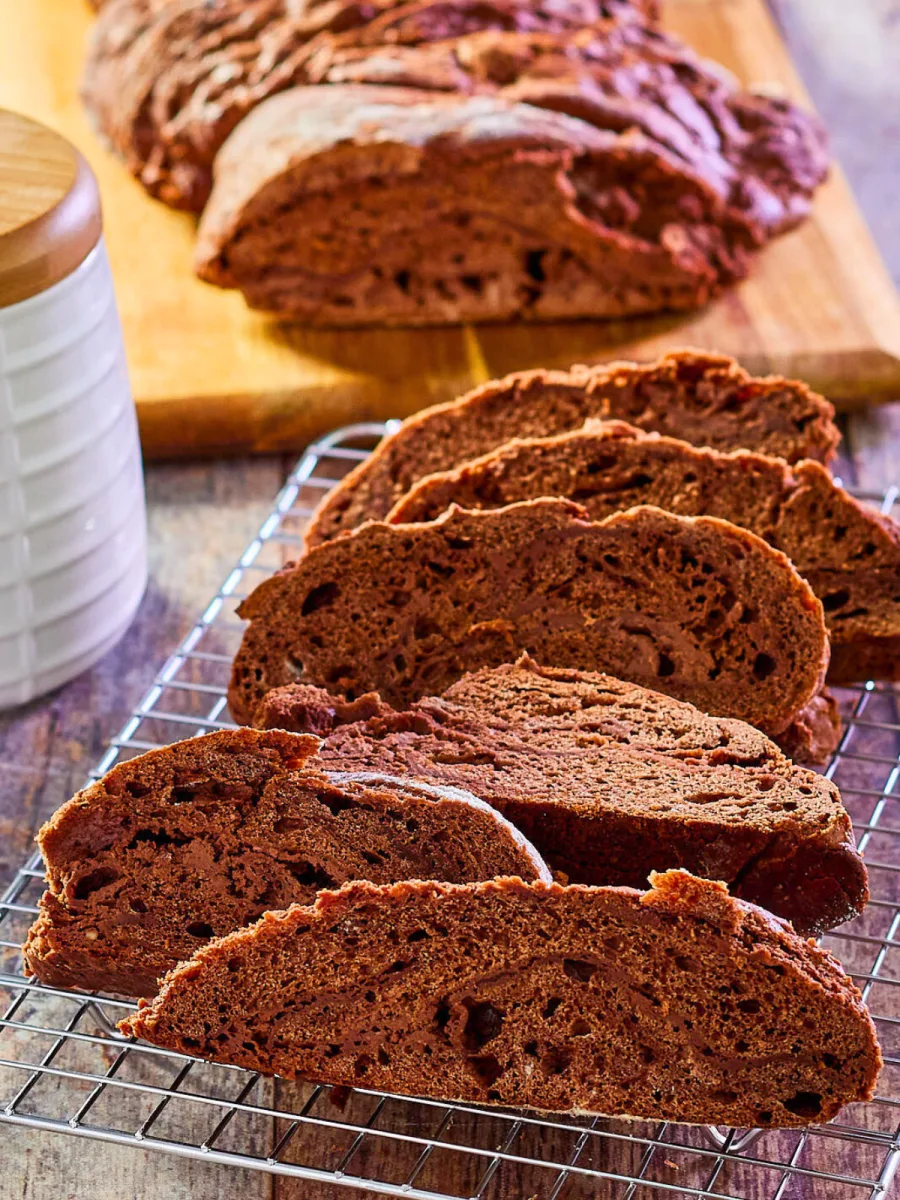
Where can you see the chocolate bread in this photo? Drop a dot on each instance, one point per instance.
(192, 841)
(848, 552)
(678, 1004)
(610, 781)
(166, 81)
(358, 205)
(705, 399)
(693, 606)
(765, 156)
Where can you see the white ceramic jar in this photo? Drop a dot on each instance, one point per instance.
(73, 557)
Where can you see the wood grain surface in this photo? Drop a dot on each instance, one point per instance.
(203, 514)
(210, 376)
(49, 208)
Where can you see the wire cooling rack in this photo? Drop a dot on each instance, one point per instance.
(64, 1067)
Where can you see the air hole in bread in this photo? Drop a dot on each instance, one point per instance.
(442, 1015)
(288, 824)
(804, 1104)
(484, 1023)
(835, 600)
(93, 882)
(556, 1061)
(320, 597)
(308, 875)
(684, 963)
(578, 970)
(763, 665)
(200, 929)
(334, 802)
(534, 264)
(487, 1068)
(665, 666)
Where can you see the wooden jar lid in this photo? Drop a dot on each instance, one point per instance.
(49, 208)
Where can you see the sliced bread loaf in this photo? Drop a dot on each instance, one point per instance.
(693, 606)
(678, 1004)
(166, 81)
(192, 841)
(358, 205)
(848, 552)
(705, 399)
(610, 781)
(766, 156)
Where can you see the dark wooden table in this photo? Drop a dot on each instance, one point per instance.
(202, 515)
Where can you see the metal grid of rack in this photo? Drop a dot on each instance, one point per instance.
(64, 1067)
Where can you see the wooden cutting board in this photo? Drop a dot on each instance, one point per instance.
(210, 376)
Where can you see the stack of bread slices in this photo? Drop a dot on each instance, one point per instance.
(418, 162)
(563, 638)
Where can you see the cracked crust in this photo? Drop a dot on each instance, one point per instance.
(166, 81)
(593, 1000)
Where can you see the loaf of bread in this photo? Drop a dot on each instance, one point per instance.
(610, 781)
(692, 606)
(195, 840)
(359, 205)
(848, 552)
(705, 399)
(166, 81)
(676, 1004)
(765, 156)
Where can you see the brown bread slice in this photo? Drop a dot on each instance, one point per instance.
(166, 81)
(705, 399)
(847, 552)
(677, 1004)
(610, 781)
(693, 606)
(192, 841)
(358, 205)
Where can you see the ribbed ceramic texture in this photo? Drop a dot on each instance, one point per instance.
(73, 556)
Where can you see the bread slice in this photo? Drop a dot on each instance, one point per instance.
(678, 1004)
(192, 841)
(610, 781)
(166, 81)
(705, 399)
(848, 552)
(695, 607)
(354, 205)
